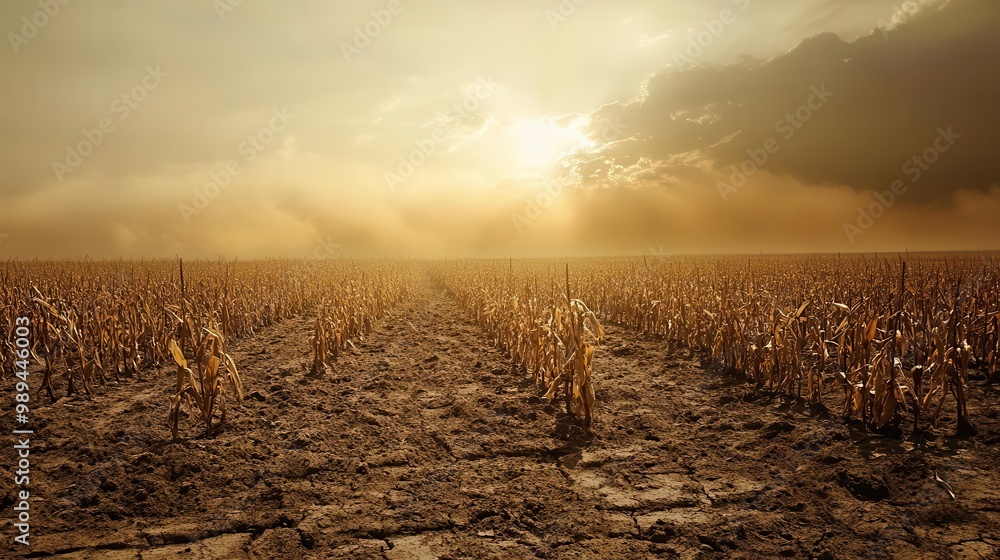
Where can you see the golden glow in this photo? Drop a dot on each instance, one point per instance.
(538, 143)
(523, 130)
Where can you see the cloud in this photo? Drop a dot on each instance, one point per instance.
(891, 93)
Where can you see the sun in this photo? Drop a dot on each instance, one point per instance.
(538, 143)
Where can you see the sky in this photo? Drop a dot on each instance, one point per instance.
(430, 128)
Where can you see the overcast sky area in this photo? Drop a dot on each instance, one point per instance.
(524, 128)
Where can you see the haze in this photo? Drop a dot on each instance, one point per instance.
(519, 128)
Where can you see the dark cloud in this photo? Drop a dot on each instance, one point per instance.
(891, 93)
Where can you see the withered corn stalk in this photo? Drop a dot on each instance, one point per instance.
(203, 393)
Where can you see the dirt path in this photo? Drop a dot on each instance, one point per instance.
(422, 444)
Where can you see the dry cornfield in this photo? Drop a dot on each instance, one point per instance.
(393, 393)
(892, 334)
(98, 322)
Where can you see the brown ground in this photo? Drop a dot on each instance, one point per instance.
(422, 444)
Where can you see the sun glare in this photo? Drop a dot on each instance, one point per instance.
(538, 143)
